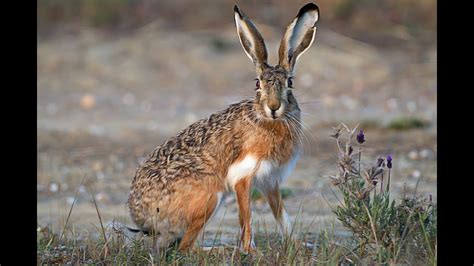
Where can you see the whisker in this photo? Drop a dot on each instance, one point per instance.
(295, 129)
(299, 131)
(305, 113)
(310, 103)
(304, 127)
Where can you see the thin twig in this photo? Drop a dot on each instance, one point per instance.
(72, 206)
(106, 247)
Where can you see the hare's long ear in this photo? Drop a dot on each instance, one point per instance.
(299, 36)
(251, 40)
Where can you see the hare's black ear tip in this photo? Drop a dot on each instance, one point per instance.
(308, 7)
(237, 10)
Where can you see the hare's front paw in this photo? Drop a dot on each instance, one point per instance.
(249, 248)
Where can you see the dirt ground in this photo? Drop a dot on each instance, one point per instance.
(105, 101)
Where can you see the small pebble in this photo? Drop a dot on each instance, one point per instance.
(97, 166)
(426, 154)
(70, 200)
(53, 187)
(416, 174)
(329, 101)
(87, 101)
(413, 155)
(82, 189)
(102, 197)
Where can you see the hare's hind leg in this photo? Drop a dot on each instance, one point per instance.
(278, 209)
(201, 209)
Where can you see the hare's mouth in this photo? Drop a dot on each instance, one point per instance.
(274, 114)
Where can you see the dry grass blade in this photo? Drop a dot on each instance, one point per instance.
(72, 206)
(106, 247)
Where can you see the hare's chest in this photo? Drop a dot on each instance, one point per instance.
(264, 172)
(270, 173)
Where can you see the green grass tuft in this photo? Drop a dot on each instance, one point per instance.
(255, 194)
(387, 231)
(405, 123)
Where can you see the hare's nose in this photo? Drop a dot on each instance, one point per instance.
(274, 105)
(273, 110)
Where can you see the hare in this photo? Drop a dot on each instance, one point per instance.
(255, 142)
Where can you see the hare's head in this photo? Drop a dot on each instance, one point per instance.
(274, 83)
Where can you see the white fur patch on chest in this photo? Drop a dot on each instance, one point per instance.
(240, 170)
(266, 172)
(270, 173)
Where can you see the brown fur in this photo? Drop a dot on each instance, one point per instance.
(242, 190)
(175, 189)
(276, 203)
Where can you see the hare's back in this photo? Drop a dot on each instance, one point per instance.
(195, 149)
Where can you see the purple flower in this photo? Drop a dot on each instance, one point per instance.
(361, 137)
(389, 162)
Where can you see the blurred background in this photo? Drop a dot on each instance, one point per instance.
(116, 78)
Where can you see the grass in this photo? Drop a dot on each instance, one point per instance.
(255, 194)
(271, 250)
(383, 230)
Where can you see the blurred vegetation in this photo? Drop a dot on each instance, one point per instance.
(388, 231)
(405, 123)
(368, 20)
(255, 194)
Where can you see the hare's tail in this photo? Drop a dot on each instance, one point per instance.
(135, 231)
(115, 229)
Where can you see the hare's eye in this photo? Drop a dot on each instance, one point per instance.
(290, 83)
(257, 85)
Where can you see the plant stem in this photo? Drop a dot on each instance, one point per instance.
(388, 182)
(360, 152)
(381, 184)
(372, 225)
